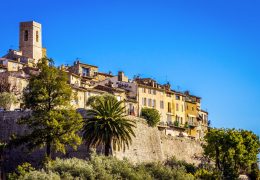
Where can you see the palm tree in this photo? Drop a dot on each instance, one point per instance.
(106, 124)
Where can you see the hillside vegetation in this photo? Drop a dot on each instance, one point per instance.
(102, 167)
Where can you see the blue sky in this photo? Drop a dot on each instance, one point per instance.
(208, 47)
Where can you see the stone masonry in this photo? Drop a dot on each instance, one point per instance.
(149, 145)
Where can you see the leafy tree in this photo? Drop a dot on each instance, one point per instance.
(151, 115)
(107, 124)
(232, 150)
(53, 122)
(2, 148)
(7, 99)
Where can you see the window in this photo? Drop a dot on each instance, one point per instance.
(182, 108)
(85, 71)
(169, 107)
(187, 107)
(161, 104)
(26, 34)
(192, 108)
(149, 102)
(177, 97)
(14, 65)
(154, 103)
(154, 92)
(177, 107)
(144, 101)
(144, 90)
(37, 36)
(149, 91)
(169, 118)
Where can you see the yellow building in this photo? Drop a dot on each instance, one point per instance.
(153, 95)
(192, 108)
(179, 108)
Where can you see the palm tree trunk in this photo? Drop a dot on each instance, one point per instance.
(48, 150)
(107, 148)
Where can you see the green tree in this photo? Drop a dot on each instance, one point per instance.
(2, 148)
(7, 99)
(53, 122)
(151, 115)
(234, 151)
(107, 124)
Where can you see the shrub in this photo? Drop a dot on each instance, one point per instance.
(74, 167)
(151, 115)
(160, 171)
(207, 175)
(177, 164)
(21, 170)
(103, 168)
(40, 175)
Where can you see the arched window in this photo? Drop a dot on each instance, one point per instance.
(26, 35)
(37, 36)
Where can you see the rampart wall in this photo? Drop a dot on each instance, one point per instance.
(149, 145)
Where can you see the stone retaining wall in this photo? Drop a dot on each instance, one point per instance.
(149, 145)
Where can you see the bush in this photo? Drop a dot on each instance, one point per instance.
(74, 167)
(101, 167)
(151, 115)
(40, 175)
(160, 171)
(207, 175)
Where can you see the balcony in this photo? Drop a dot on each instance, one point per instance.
(162, 124)
(192, 124)
(176, 124)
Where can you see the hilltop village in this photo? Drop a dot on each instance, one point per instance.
(181, 112)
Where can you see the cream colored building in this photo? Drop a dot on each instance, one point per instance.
(202, 124)
(18, 82)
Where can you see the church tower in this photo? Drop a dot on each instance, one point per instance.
(30, 42)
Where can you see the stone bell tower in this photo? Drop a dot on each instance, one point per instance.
(30, 42)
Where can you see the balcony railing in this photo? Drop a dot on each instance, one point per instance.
(162, 124)
(191, 123)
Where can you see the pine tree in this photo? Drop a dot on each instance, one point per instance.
(53, 123)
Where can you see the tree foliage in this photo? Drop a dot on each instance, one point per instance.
(234, 151)
(7, 99)
(107, 124)
(151, 115)
(53, 122)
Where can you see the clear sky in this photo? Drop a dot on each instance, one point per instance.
(208, 47)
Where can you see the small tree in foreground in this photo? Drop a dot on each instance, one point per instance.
(233, 151)
(151, 115)
(53, 122)
(107, 124)
(7, 99)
